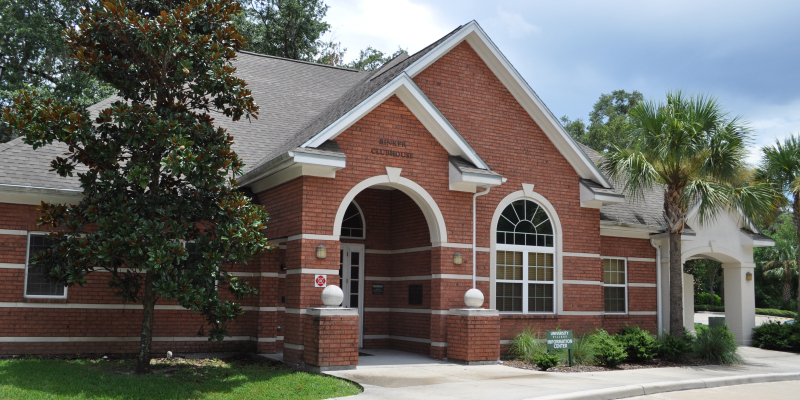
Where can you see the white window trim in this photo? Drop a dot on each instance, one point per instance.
(363, 224)
(27, 264)
(526, 250)
(558, 256)
(625, 285)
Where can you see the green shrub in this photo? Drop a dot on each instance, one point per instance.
(701, 307)
(706, 300)
(526, 345)
(546, 361)
(776, 313)
(607, 351)
(673, 348)
(638, 343)
(717, 345)
(777, 336)
(582, 352)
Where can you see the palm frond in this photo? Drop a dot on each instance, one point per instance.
(632, 169)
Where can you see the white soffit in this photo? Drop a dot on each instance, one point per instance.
(419, 105)
(473, 34)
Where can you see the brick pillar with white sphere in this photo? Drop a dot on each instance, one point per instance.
(473, 333)
(330, 334)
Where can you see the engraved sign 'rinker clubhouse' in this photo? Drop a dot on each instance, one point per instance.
(391, 153)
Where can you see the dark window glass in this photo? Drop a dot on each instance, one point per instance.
(352, 224)
(415, 295)
(39, 283)
(615, 299)
(509, 296)
(524, 223)
(540, 297)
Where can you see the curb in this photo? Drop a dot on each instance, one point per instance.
(621, 392)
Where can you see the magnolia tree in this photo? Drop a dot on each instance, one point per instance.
(156, 174)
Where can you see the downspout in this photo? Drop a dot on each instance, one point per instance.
(474, 243)
(658, 284)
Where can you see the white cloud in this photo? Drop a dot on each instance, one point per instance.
(512, 24)
(384, 25)
(770, 123)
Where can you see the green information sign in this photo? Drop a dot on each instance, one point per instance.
(558, 340)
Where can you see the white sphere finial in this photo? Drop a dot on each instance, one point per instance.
(473, 298)
(332, 296)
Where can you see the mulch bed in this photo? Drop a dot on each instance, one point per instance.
(655, 363)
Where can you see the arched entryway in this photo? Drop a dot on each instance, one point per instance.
(387, 271)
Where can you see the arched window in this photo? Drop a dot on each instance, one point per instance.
(525, 259)
(353, 222)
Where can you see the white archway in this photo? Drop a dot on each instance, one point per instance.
(433, 215)
(527, 194)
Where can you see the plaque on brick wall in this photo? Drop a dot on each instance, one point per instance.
(414, 295)
(377, 288)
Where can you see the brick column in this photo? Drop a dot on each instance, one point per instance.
(331, 339)
(302, 265)
(473, 336)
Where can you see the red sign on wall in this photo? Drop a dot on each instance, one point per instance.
(320, 280)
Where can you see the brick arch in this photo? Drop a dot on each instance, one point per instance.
(433, 215)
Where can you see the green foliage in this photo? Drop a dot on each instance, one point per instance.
(283, 28)
(777, 336)
(639, 344)
(716, 345)
(35, 55)
(582, 352)
(154, 170)
(776, 313)
(527, 344)
(705, 299)
(609, 124)
(703, 307)
(371, 59)
(546, 360)
(110, 380)
(607, 351)
(673, 348)
(708, 277)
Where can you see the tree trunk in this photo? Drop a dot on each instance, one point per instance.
(787, 292)
(796, 218)
(675, 285)
(149, 305)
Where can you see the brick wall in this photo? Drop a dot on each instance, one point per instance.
(473, 339)
(331, 341)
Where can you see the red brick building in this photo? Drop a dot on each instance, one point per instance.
(437, 172)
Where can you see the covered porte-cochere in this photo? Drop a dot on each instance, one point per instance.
(723, 240)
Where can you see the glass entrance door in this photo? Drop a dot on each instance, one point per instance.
(351, 274)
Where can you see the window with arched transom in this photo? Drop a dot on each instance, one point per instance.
(353, 222)
(525, 263)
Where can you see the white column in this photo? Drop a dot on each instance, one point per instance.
(688, 302)
(740, 300)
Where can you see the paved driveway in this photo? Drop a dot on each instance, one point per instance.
(702, 318)
(396, 375)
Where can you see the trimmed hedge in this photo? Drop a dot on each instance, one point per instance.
(703, 307)
(776, 313)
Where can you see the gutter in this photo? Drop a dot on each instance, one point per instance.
(474, 243)
(659, 313)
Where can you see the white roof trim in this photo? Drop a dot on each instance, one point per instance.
(419, 105)
(521, 91)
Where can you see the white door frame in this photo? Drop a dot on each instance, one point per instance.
(347, 249)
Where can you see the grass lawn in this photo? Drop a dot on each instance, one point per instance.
(242, 378)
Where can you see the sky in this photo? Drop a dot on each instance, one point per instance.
(745, 53)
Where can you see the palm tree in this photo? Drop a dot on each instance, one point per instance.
(689, 147)
(782, 266)
(780, 164)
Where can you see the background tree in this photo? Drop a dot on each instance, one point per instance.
(284, 28)
(707, 272)
(34, 55)
(155, 172)
(688, 146)
(371, 59)
(780, 164)
(782, 267)
(769, 295)
(609, 123)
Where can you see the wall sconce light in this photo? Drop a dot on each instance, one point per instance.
(322, 251)
(749, 276)
(458, 258)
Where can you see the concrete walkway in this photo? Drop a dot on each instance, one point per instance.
(702, 318)
(396, 375)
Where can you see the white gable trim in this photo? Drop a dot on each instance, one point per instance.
(419, 105)
(521, 91)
